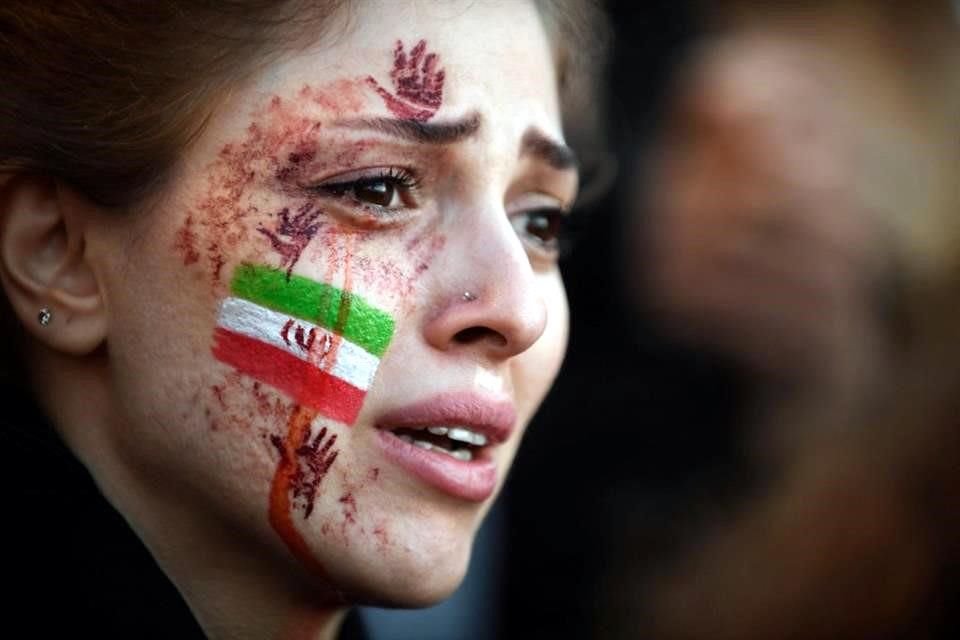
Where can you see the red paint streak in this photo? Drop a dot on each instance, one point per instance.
(186, 242)
(332, 346)
(315, 388)
(417, 83)
(278, 142)
(280, 511)
(292, 234)
(255, 206)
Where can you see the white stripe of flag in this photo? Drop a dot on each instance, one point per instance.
(353, 364)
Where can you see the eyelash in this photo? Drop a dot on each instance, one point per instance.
(557, 219)
(399, 180)
(404, 183)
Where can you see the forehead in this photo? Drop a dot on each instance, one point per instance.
(495, 56)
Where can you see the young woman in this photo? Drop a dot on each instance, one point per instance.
(283, 278)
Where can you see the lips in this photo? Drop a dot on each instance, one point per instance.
(447, 441)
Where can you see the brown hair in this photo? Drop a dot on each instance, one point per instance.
(104, 96)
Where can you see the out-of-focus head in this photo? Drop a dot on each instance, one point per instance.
(804, 222)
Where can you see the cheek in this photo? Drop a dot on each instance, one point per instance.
(386, 266)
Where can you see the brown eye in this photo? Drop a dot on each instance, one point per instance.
(387, 190)
(541, 227)
(378, 192)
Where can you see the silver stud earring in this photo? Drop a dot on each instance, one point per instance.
(44, 317)
(468, 297)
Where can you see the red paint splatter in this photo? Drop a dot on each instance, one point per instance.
(218, 390)
(398, 276)
(349, 507)
(380, 531)
(223, 411)
(277, 144)
(292, 234)
(186, 242)
(269, 406)
(279, 153)
(294, 162)
(417, 83)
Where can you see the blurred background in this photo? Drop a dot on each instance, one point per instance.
(755, 432)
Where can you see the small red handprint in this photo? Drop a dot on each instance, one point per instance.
(300, 229)
(315, 456)
(417, 83)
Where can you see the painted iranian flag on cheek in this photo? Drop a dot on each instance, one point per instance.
(316, 343)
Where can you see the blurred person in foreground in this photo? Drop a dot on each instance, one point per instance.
(803, 225)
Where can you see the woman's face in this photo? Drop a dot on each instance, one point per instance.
(328, 336)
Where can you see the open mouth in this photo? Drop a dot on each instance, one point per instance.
(448, 441)
(455, 441)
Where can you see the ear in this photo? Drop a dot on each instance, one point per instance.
(43, 263)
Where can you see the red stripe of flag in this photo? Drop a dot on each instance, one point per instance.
(304, 382)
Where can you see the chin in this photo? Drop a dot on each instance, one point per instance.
(418, 570)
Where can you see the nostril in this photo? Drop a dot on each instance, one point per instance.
(473, 335)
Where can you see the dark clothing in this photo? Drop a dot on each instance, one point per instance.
(74, 565)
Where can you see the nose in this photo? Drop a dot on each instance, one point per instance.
(486, 300)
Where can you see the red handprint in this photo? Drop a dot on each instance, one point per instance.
(314, 459)
(417, 82)
(300, 230)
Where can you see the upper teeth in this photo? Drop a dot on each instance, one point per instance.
(459, 454)
(460, 435)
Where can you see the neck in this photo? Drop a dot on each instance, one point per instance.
(237, 586)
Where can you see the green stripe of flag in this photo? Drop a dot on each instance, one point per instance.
(316, 302)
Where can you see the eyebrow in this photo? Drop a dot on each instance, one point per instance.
(415, 131)
(538, 144)
(534, 142)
